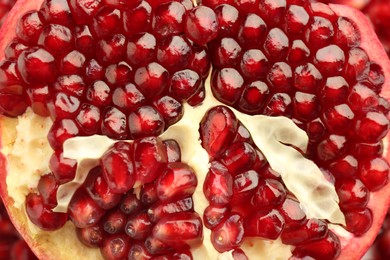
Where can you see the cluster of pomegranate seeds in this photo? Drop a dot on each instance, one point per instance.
(304, 62)
(12, 246)
(113, 68)
(139, 199)
(249, 199)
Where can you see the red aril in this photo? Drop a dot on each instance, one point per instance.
(126, 71)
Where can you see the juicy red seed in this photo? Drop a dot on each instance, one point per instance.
(185, 84)
(330, 60)
(47, 187)
(173, 150)
(334, 91)
(148, 194)
(292, 213)
(296, 19)
(319, 31)
(254, 64)
(228, 19)
(30, 26)
(325, 248)
(42, 215)
(128, 97)
(151, 79)
(371, 127)
(179, 230)
(276, 44)
(37, 66)
(358, 221)
(91, 236)
(374, 173)
(201, 25)
(347, 33)
(244, 184)
(145, 121)
(238, 157)
(314, 229)
(298, 52)
(339, 118)
(363, 150)
(331, 147)
(139, 252)
(213, 215)
(63, 106)
(217, 130)
(228, 234)
(178, 180)
(98, 94)
(362, 98)
(130, 204)
(83, 40)
(139, 227)
(307, 78)
(269, 193)
(358, 64)
(114, 222)
(114, 123)
(57, 11)
(174, 52)
(149, 158)
(273, 10)
(106, 22)
(344, 168)
(111, 49)
(279, 77)
(98, 189)
(64, 169)
(305, 107)
(169, 19)
(253, 97)
(352, 194)
(88, 119)
(252, 30)
(170, 109)
(61, 131)
(156, 247)
(227, 85)
(118, 74)
(278, 104)
(266, 224)
(227, 53)
(137, 19)
(57, 39)
(218, 185)
(161, 209)
(93, 71)
(141, 49)
(70, 84)
(115, 247)
(239, 254)
(84, 11)
(118, 168)
(83, 210)
(73, 63)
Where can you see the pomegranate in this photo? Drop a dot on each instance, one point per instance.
(139, 153)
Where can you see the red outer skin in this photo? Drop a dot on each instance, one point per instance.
(352, 247)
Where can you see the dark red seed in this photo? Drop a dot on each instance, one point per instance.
(64, 169)
(116, 247)
(91, 236)
(139, 227)
(161, 209)
(114, 222)
(47, 187)
(314, 229)
(145, 121)
(228, 234)
(130, 204)
(201, 25)
(218, 185)
(266, 224)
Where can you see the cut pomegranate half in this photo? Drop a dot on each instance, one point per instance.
(107, 105)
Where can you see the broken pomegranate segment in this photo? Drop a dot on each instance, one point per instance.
(284, 146)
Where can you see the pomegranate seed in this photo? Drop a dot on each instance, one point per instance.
(213, 215)
(273, 10)
(358, 221)
(185, 84)
(331, 147)
(292, 213)
(357, 66)
(98, 189)
(130, 204)
(371, 127)
(227, 85)
(201, 25)
(111, 49)
(114, 222)
(252, 30)
(83, 40)
(161, 209)
(352, 194)
(218, 185)
(244, 185)
(305, 106)
(88, 119)
(73, 63)
(98, 94)
(128, 97)
(228, 19)
(149, 158)
(276, 44)
(148, 194)
(56, 39)
(217, 130)
(70, 84)
(334, 91)
(374, 173)
(137, 19)
(61, 131)
(145, 121)
(238, 157)
(298, 52)
(64, 169)
(325, 248)
(179, 230)
(106, 22)
(266, 224)
(228, 234)
(141, 49)
(169, 19)
(344, 168)
(177, 181)
(339, 118)
(118, 168)
(253, 97)
(156, 247)
(63, 106)
(47, 187)
(296, 19)
(83, 210)
(227, 53)
(314, 229)
(85, 10)
(139, 252)
(114, 124)
(170, 109)
(173, 150)
(30, 26)
(42, 215)
(238, 254)
(57, 11)
(139, 227)
(151, 79)
(118, 74)
(91, 236)
(93, 72)
(115, 247)
(269, 193)
(280, 77)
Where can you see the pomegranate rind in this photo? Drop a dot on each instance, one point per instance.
(355, 247)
